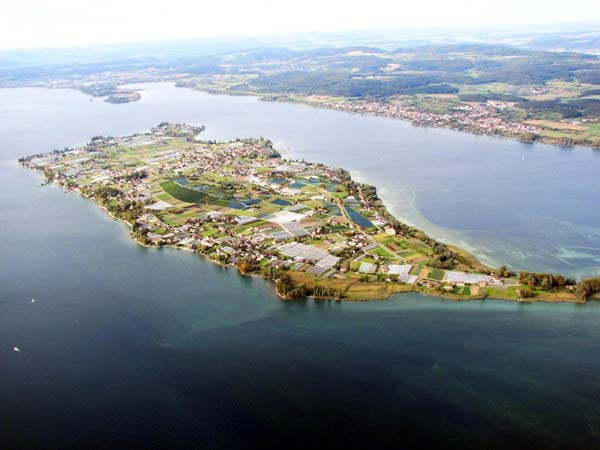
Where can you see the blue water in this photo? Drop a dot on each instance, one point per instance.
(528, 206)
(130, 347)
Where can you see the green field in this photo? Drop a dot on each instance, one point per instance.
(258, 223)
(209, 232)
(339, 228)
(436, 274)
(594, 129)
(381, 252)
(184, 194)
(416, 270)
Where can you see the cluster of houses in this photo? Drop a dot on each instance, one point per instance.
(480, 119)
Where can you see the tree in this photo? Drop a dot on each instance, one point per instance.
(587, 288)
(526, 293)
(246, 266)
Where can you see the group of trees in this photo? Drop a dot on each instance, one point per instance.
(504, 272)
(566, 109)
(545, 281)
(104, 194)
(482, 98)
(112, 199)
(134, 176)
(339, 82)
(273, 272)
(140, 233)
(526, 293)
(421, 70)
(443, 257)
(322, 291)
(587, 288)
(246, 266)
(287, 288)
(584, 290)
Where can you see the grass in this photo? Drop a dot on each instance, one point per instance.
(367, 291)
(439, 104)
(556, 125)
(510, 293)
(388, 240)
(554, 129)
(340, 228)
(184, 194)
(209, 233)
(383, 238)
(243, 228)
(594, 129)
(382, 252)
(416, 270)
(368, 260)
(313, 203)
(349, 287)
(412, 256)
(436, 274)
(164, 197)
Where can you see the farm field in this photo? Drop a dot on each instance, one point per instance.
(184, 194)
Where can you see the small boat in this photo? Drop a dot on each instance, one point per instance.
(16, 349)
(33, 300)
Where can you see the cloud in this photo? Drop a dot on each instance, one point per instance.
(40, 23)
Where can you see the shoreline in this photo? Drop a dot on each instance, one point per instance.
(422, 291)
(282, 98)
(304, 100)
(390, 289)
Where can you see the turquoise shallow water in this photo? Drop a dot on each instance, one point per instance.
(127, 346)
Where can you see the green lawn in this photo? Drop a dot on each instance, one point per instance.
(502, 293)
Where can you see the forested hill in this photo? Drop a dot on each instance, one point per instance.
(538, 88)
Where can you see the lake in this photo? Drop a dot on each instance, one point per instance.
(127, 346)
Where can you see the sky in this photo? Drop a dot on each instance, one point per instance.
(59, 23)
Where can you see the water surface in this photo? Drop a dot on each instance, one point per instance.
(127, 346)
(528, 206)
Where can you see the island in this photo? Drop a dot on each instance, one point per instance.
(111, 92)
(309, 228)
(123, 97)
